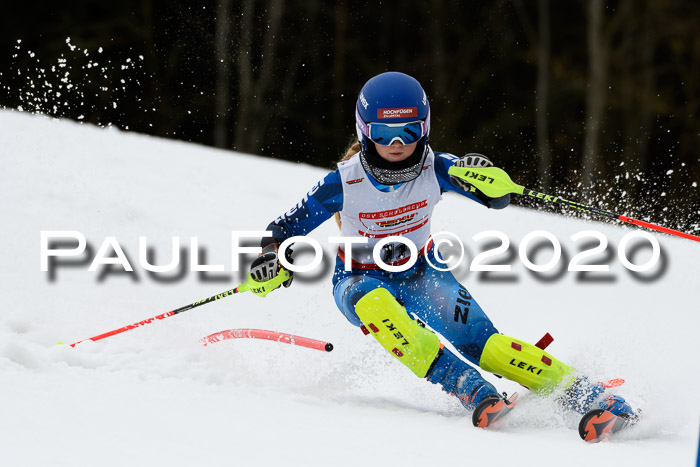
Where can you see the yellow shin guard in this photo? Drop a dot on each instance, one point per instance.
(389, 323)
(524, 363)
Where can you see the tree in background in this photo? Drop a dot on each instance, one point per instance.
(596, 97)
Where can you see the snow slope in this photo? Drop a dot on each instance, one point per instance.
(155, 396)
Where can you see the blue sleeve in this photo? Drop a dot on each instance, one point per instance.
(319, 204)
(443, 162)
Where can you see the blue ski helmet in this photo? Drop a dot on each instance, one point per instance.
(392, 106)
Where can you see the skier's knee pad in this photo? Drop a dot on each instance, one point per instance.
(524, 363)
(389, 323)
(348, 291)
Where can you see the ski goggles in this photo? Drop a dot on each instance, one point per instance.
(385, 134)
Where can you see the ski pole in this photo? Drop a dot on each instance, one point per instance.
(495, 182)
(267, 335)
(260, 288)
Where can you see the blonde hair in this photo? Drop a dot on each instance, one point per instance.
(352, 149)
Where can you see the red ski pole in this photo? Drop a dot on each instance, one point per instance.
(495, 182)
(262, 288)
(267, 335)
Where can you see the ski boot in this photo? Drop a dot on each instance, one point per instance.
(613, 415)
(460, 380)
(581, 396)
(617, 406)
(492, 408)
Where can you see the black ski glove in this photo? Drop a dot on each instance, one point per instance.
(267, 266)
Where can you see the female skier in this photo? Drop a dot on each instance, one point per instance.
(388, 185)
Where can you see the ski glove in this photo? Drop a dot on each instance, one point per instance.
(469, 160)
(267, 265)
(478, 160)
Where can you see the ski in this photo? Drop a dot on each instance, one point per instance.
(599, 424)
(492, 409)
(595, 425)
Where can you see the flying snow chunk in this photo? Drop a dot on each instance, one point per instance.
(669, 172)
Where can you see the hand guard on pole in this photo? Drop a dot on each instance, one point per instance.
(469, 160)
(267, 267)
